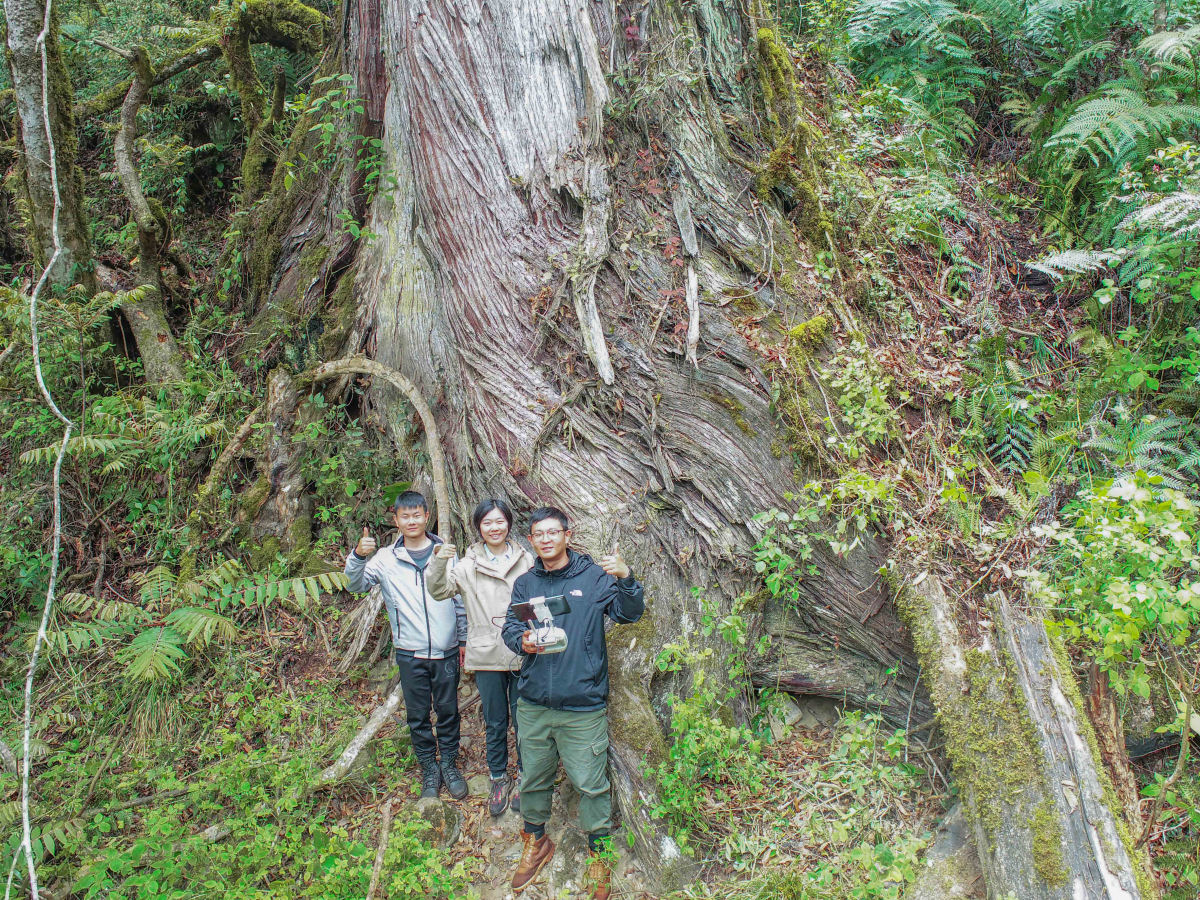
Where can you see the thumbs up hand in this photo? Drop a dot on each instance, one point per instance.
(614, 565)
(366, 544)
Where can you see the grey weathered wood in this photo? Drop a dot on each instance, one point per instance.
(24, 20)
(1099, 863)
(1031, 787)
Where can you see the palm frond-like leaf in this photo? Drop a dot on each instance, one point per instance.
(156, 585)
(154, 654)
(200, 626)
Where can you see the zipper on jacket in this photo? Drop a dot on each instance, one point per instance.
(425, 606)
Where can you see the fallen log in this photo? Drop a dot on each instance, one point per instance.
(1046, 821)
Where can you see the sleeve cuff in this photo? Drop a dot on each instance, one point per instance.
(354, 553)
(628, 580)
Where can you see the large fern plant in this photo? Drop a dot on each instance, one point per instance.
(176, 618)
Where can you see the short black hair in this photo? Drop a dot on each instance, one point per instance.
(548, 512)
(410, 500)
(486, 506)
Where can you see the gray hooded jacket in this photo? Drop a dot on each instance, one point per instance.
(427, 628)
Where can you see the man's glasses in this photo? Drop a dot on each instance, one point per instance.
(542, 535)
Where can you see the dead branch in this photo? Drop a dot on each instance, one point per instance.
(225, 460)
(342, 766)
(361, 365)
(385, 832)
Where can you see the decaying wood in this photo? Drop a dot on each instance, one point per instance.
(1110, 738)
(360, 624)
(385, 832)
(1018, 740)
(344, 763)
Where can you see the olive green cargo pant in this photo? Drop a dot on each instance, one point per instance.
(580, 740)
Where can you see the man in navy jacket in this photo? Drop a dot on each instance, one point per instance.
(562, 697)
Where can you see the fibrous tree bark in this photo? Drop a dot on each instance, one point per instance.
(497, 285)
(39, 109)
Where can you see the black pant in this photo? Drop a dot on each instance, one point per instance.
(431, 683)
(498, 700)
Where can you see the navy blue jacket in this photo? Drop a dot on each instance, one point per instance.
(577, 678)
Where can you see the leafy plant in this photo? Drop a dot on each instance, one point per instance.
(1124, 577)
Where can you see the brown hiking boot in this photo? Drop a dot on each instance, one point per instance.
(536, 854)
(598, 879)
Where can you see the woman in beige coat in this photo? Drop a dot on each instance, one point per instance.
(484, 578)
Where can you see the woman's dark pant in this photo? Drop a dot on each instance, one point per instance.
(498, 699)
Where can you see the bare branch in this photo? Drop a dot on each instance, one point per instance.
(360, 365)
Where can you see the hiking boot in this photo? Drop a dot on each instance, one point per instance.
(431, 780)
(515, 803)
(536, 853)
(452, 778)
(498, 801)
(598, 879)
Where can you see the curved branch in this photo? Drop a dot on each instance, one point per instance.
(360, 365)
(161, 357)
(112, 98)
(143, 77)
(217, 472)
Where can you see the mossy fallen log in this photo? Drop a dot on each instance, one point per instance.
(1046, 821)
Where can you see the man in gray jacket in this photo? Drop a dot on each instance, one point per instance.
(428, 636)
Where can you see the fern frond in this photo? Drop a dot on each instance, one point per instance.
(1177, 46)
(1179, 211)
(1071, 69)
(154, 654)
(200, 626)
(1068, 262)
(1109, 128)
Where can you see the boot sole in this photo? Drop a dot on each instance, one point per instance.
(537, 871)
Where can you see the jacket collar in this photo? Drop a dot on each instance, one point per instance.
(500, 568)
(576, 563)
(401, 552)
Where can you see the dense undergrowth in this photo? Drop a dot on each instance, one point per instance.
(1013, 200)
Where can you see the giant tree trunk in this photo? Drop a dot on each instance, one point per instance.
(25, 20)
(552, 346)
(581, 292)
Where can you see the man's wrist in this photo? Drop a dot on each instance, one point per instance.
(627, 579)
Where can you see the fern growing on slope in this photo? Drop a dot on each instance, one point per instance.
(1157, 446)
(1117, 125)
(153, 637)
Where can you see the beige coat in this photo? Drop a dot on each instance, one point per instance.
(486, 590)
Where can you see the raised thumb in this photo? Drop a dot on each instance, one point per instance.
(366, 532)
